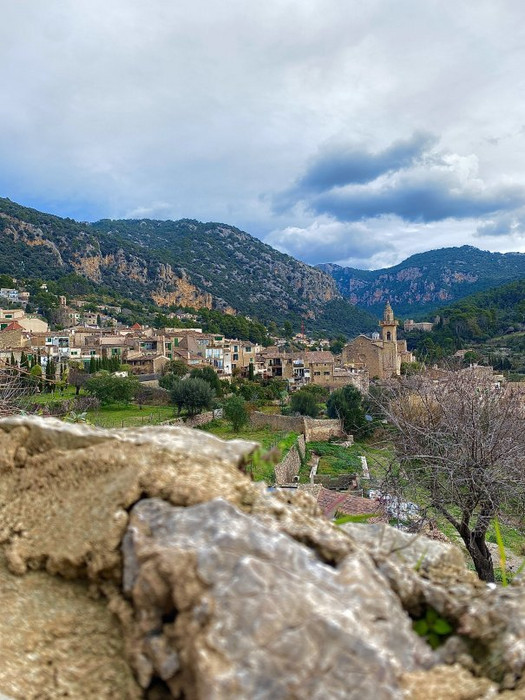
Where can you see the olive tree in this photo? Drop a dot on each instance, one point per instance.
(460, 444)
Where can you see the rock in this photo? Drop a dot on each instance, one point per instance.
(252, 613)
(58, 641)
(215, 587)
(65, 508)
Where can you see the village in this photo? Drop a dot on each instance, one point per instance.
(302, 450)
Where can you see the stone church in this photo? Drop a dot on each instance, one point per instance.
(382, 354)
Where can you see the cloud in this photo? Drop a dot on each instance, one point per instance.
(328, 241)
(512, 224)
(356, 125)
(336, 166)
(411, 181)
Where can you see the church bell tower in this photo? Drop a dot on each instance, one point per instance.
(389, 325)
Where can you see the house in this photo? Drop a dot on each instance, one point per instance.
(381, 356)
(411, 325)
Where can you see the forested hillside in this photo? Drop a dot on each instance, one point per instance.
(485, 316)
(174, 264)
(426, 281)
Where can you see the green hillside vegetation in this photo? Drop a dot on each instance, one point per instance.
(137, 259)
(495, 316)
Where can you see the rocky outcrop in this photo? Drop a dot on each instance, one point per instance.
(146, 564)
(427, 280)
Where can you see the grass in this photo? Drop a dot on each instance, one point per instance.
(262, 466)
(336, 460)
(68, 393)
(118, 416)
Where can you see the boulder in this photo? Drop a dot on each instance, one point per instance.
(225, 608)
(147, 564)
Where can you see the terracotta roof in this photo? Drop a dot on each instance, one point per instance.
(318, 356)
(136, 327)
(331, 502)
(14, 326)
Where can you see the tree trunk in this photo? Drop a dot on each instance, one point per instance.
(478, 550)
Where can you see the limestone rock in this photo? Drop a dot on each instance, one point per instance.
(251, 613)
(230, 590)
(57, 641)
(65, 489)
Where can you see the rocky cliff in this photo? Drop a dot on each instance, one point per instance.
(184, 263)
(428, 280)
(145, 564)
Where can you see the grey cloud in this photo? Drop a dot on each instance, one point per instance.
(425, 201)
(339, 166)
(504, 225)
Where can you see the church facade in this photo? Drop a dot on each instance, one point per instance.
(382, 356)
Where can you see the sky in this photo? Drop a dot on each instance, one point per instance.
(334, 130)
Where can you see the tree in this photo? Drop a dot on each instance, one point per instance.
(51, 370)
(337, 344)
(108, 388)
(209, 375)
(235, 412)
(347, 405)
(304, 402)
(175, 367)
(12, 390)
(461, 442)
(192, 394)
(77, 377)
(35, 376)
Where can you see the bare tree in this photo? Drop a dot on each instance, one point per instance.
(460, 443)
(12, 389)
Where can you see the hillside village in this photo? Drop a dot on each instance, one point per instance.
(87, 335)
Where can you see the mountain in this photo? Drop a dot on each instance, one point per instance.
(425, 281)
(179, 263)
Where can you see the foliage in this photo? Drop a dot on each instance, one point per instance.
(210, 376)
(193, 395)
(176, 367)
(434, 628)
(235, 411)
(346, 404)
(304, 402)
(108, 388)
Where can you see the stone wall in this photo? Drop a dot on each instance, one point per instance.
(286, 470)
(275, 421)
(301, 446)
(317, 429)
(311, 428)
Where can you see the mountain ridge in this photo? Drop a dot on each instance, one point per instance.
(425, 281)
(177, 263)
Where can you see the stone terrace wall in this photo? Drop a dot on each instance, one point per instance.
(301, 446)
(289, 467)
(319, 429)
(311, 428)
(277, 422)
